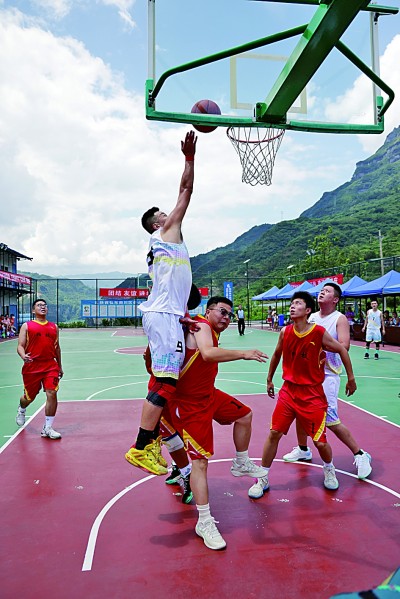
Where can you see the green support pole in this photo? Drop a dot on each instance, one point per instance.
(325, 29)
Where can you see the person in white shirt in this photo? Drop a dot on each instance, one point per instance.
(240, 319)
(169, 268)
(373, 323)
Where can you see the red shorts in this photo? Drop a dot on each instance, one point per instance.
(195, 425)
(33, 382)
(307, 403)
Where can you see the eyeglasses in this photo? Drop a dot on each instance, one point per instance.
(224, 313)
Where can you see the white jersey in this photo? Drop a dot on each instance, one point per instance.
(374, 321)
(333, 363)
(170, 271)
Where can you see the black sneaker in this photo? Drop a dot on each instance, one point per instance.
(376, 356)
(187, 494)
(366, 356)
(174, 477)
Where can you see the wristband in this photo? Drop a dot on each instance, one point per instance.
(189, 158)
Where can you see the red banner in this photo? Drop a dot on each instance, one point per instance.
(335, 278)
(10, 276)
(121, 293)
(203, 291)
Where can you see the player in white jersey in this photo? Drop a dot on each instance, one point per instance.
(169, 268)
(338, 327)
(373, 323)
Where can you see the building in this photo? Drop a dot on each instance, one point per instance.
(15, 289)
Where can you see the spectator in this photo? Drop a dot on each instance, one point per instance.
(350, 319)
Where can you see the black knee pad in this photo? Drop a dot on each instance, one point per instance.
(157, 400)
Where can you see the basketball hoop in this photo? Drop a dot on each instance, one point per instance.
(257, 148)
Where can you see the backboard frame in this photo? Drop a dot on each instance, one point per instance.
(317, 39)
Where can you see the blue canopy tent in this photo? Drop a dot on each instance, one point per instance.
(266, 295)
(392, 289)
(287, 293)
(377, 286)
(351, 284)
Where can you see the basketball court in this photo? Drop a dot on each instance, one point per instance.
(78, 520)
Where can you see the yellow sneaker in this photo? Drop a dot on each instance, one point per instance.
(146, 458)
(156, 449)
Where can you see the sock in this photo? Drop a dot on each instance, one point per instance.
(303, 447)
(330, 465)
(186, 470)
(266, 470)
(204, 512)
(49, 421)
(144, 438)
(359, 452)
(21, 410)
(242, 456)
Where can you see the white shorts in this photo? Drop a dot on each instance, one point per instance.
(331, 386)
(166, 342)
(373, 335)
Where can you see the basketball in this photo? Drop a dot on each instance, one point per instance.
(205, 107)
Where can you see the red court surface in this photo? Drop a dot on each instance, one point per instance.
(75, 524)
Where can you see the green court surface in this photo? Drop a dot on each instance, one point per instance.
(108, 365)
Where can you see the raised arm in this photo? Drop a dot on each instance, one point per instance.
(209, 353)
(172, 227)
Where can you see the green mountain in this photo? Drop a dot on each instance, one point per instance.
(341, 229)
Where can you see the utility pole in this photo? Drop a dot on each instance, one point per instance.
(380, 237)
(381, 251)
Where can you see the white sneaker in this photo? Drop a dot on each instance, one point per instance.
(330, 480)
(50, 433)
(20, 418)
(260, 486)
(210, 534)
(298, 455)
(363, 465)
(248, 468)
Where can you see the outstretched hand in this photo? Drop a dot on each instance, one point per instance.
(255, 354)
(188, 146)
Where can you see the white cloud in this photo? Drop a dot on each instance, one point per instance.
(351, 106)
(79, 163)
(123, 7)
(56, 9)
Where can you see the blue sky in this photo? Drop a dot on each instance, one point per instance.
(80, 163)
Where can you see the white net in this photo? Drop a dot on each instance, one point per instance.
(257, 148)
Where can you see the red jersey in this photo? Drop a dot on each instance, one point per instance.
(201, 378)
(303, 357)
(41, 344)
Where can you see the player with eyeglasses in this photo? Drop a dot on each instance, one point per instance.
(225, 313)
(196, 403)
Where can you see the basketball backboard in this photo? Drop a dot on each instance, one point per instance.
(279, 63)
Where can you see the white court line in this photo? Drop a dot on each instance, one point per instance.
(115, 387)
(370, 413)
(19, 431)
(94, 531)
